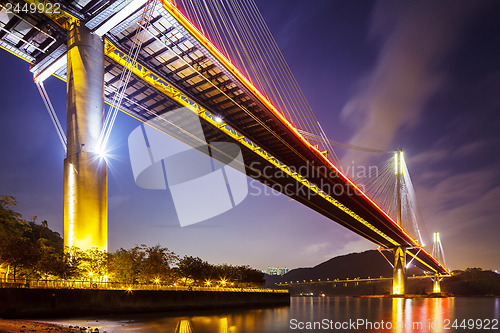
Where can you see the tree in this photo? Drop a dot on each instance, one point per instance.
(34, 250)
(42, 232)
(125, 265)
(27, 247)
(15, 250)
(194, 268)
(251, 277)
(6, 203)
(10, 221)
(157, 264)
(20, 252)
(63, 265)
(94, 264)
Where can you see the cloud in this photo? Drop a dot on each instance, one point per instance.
(430, 156)
(456, 189)
(314, 249)
(357, 245)
(415, 38)
(328, 250)
(472, 148)
(464, 208)
(469, 232)
(118, 201)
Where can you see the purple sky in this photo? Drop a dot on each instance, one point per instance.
(421, 75)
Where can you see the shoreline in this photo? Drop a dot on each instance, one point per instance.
(59, 303)
(24, 325)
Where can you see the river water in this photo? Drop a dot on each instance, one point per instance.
(321, 314)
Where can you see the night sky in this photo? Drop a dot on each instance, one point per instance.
(423, 75)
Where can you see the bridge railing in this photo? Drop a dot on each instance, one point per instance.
(82, 284)
(344, 281)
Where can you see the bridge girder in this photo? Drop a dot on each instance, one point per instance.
(248, 112)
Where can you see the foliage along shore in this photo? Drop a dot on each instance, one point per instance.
(33, 251)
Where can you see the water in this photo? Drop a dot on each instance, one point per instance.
(331, 314)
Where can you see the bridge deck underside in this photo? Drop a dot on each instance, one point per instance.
(174, 54)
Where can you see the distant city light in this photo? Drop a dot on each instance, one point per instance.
(276, 270)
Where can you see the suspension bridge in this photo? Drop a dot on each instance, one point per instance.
(218, 60)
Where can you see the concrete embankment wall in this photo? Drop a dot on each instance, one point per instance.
(24, 303)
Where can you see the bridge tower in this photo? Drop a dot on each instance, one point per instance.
(437, 252)
(399, 273)
(85, 171)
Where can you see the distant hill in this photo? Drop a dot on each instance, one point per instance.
(365, 264)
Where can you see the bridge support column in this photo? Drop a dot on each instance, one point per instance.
(399, 274)
(436, 284)
(85, 172)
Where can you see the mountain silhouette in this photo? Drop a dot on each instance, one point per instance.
(349, 266)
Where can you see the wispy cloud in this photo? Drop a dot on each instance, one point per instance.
(450, 152)
(456, 189)
(415, 39)
(429, 156)
(328, 250)
(464, 208)
(472, 148)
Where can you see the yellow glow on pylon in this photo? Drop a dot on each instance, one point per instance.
(398, 162)
(184, 326)
(71, 206)
(396, 288)
(436, 284)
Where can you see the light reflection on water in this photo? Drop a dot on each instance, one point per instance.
(403, 315)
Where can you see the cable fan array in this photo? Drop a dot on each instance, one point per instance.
(237, 27)
(52, 114)
(335, 143)
(379, 182)
(239, 30)
(137, 41)
(437, 248)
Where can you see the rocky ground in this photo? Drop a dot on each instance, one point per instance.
(11, 326)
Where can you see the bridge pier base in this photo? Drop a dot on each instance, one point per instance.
(85, 171)
(436, 284)
(399, 273)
